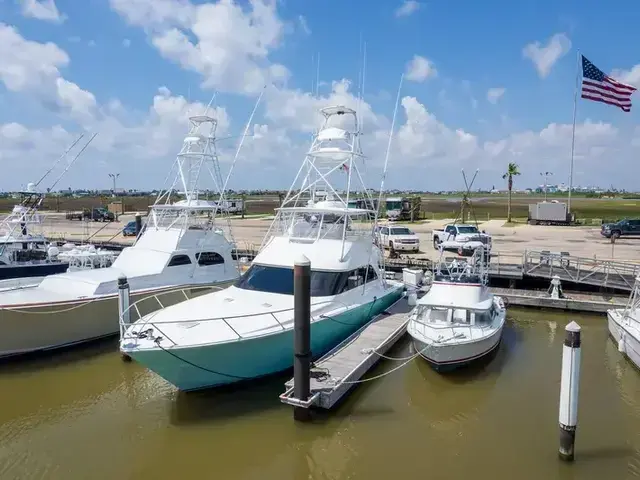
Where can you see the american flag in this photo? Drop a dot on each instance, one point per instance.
(599, 87)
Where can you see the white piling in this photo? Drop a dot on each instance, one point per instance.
(124, 312)
(569, 386)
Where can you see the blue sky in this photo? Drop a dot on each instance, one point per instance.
(486, 83)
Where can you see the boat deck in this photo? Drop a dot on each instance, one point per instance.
(339, 370)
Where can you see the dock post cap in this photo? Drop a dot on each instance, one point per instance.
(302, 261)
(122, 278)
(572, 327)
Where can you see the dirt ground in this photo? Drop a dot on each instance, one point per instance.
(510, 241)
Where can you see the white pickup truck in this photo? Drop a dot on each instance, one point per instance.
(398, 238)
(463, 239)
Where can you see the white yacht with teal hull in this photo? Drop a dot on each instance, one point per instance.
(246, 331)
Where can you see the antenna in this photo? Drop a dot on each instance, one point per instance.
(384, 172)
(313, 64)
(466, 202)
(386, 158)
(244, 135)
(318, 76)
(59, 159)
(72, 161)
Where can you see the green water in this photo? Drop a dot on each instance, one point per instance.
(88, 415)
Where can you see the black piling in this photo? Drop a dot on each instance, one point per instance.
(302, 336)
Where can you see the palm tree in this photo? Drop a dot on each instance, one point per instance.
(512, 171)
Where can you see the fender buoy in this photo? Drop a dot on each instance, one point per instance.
(621, 343)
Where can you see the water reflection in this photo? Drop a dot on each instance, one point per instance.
(87, 414)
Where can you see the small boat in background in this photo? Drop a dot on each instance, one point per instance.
(624, 326)
(459, 320)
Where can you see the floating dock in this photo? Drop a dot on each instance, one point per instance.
(333, 375)
(576, 302)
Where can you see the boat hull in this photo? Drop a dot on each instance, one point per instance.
(208, 366)
(32, 270)
(447, 357)
(627, 343)
(31, 329)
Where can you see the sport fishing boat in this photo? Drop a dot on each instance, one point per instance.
(180, 253)
(246, 331)
(24, 250)
(458, 321)
(624, 326)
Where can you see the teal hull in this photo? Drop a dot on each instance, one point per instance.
(209, 366)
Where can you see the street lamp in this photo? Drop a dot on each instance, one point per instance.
(545, 175)
(113, 177)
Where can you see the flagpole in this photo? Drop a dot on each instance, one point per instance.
(573, 130)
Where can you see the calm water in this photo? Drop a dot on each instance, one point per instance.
(88, 415)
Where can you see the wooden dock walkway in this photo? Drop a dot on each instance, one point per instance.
(350, 360)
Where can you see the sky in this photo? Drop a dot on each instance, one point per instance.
(483, 84)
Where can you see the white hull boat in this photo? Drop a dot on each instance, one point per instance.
(624, 326)
(246, 331)
(180, 249)
(458, 321)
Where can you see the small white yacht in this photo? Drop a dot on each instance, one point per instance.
(458, 321)
(246, 330)
(624, 326)
(180, 248)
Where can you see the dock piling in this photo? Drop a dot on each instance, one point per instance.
(138, 224)
(569, 386)
(302, 336)
(124, 312)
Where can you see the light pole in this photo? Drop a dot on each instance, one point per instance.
(545, 175)
(113, 177)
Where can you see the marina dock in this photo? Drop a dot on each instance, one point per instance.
(336, 373)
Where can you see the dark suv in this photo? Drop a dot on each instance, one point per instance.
(624, 227)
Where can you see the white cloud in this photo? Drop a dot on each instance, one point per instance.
(407, 8)
(45, 10)
(28, 66)
(419, 69)
(544, 57)
(227, 45)
(495, 94)
(223, 42)
(304, 26)
(299, 110)
(631, 77)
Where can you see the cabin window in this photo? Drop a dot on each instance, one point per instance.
(355, 278)
(266, 278)
(179, 260)
(209, 258)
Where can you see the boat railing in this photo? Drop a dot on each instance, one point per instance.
(127, 331)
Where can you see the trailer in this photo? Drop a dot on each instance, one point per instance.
(549, 213)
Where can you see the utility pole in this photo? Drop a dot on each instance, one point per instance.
(113, 177)
(545, 175)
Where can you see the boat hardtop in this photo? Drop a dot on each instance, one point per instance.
(458, 295)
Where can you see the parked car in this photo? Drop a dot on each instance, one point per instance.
(129, 230)
(460, 238)
(397, 238)
(95, 214)
(624, 227)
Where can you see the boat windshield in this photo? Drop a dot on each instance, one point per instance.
(270, 279)
(467, 230)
